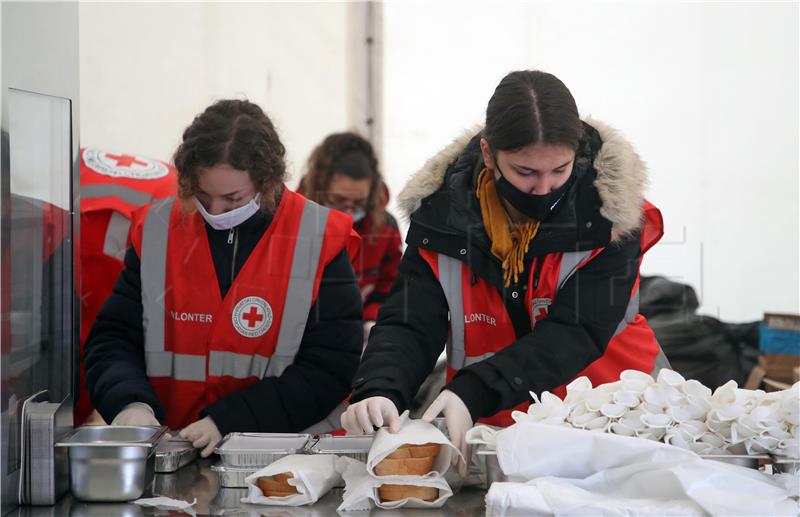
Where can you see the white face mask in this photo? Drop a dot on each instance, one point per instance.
(358, 215)
(231, 218)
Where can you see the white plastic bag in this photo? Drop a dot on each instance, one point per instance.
(582, 472)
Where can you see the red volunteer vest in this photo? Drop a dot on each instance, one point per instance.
(481, 326)
(200, 347)
(113, 186)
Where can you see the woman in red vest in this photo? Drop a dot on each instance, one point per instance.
(238, 308)
(343, 174)
(523, 257)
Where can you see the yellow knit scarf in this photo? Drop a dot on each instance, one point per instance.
(509, 241)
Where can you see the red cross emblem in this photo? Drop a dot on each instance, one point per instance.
(252, 316)
(125, 160)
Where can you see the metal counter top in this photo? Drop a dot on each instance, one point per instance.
(197, 480)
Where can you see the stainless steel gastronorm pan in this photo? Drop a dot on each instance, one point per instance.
(111, 463)
(493, 471)
(742, 460)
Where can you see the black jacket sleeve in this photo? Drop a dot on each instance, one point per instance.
(114, 355)
(580, 323)
(320, 377)
(410, 334)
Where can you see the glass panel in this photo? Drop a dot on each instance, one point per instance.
(40, 248)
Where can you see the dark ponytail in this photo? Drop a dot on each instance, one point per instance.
(530, 107)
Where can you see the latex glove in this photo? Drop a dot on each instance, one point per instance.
(203, 434)
(458, 421)
(136, 413)
(362, 417)
(94, 418)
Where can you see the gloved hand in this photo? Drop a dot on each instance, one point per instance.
(203, 433)
(458, 420)
(136, 413)
(361, 417)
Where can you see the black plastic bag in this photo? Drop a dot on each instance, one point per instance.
(698, 347)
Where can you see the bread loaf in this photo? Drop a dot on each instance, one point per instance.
(277, 485)
(415, 451)
(409, 460)
(404, 467)
(388, 493)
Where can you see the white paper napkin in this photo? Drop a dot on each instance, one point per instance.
(415, 432)
(314, 475)
(166, 503)
(361, 489)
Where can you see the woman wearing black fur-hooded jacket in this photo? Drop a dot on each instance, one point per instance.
(523, 257)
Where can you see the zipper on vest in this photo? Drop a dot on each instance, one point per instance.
(230, 236)
(233, 237)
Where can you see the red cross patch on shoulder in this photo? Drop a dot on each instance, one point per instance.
(122, 165)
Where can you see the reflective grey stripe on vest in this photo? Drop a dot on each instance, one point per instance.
(660, 362)
(477, 358)
(160, 363)
(307, 250)
(116, 240)
(128, 195)
(569, 265)
(181, 367)
(238, 366)
(241, 366)
(450, 278)
(630, 313)
(154, 272)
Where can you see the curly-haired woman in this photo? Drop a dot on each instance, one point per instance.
(238, 308)
(343, 174)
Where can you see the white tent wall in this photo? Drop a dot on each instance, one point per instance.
(148, 68)
(707, 93)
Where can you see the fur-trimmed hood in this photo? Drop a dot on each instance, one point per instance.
(620, 182)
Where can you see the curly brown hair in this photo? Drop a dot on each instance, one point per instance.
(352, 155)
(237, 133)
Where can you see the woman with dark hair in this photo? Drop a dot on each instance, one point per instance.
(343, 174)
(523, 255)
(238, 308)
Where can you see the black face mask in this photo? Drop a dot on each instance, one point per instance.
(535, 206)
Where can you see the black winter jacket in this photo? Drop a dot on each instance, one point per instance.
(304, 394)
(603, 209)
